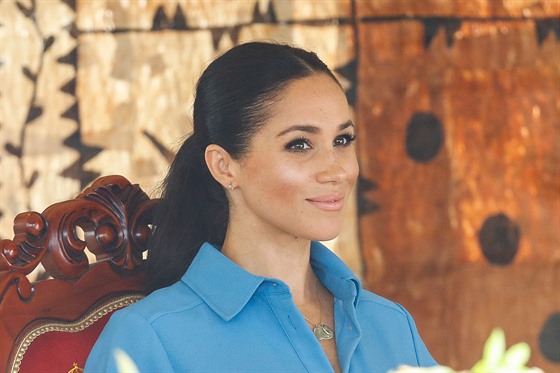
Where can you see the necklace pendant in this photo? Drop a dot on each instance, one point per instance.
(322, 331)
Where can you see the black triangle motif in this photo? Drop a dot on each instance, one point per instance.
(365, 205)
(431, 27)
(234, 34)
(70, 59)
(72, 112)
(268, 17)
(217, 33)
(160, 21)
(73, 141)
(365, 185)
(69, 87)
(179, 21)
(76, 170)
(545, 26)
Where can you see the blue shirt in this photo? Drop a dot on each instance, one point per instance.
(221, 318)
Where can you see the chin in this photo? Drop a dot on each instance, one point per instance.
(325, 235)
(320, 230)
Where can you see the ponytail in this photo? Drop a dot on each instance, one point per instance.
(193, 209)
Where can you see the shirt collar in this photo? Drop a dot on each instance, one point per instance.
(226, 287)
(222, 284)
(334, 274)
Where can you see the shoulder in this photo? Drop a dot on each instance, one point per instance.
(390, 327)
(177, 298)
(132, 330)
(371, 302)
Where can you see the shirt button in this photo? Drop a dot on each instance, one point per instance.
(349, 328)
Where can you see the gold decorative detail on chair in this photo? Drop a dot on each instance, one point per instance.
(75, 369)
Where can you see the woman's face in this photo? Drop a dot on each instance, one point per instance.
(301, 166)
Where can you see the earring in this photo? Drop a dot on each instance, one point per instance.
(230, 186)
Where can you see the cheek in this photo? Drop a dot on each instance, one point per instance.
(276, 181)
(285, 181)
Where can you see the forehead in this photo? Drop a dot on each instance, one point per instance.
(316, 100)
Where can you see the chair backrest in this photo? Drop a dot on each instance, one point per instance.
(52, 324)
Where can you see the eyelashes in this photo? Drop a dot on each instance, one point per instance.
(345, 139)
(302, 144)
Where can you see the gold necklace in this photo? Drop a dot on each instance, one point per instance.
(321, 331)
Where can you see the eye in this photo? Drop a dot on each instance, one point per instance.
(344, 140)
(299, 145)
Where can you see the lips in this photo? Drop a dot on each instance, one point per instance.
(331, 202)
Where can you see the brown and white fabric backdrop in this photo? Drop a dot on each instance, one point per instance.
(457, 104)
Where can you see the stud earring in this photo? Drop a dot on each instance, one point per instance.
(230, 186)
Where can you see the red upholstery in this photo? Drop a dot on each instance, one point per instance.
(49, 325)
(57, 351)
(56, 346)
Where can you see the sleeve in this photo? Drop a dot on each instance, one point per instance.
(132, 334)
(423, 356)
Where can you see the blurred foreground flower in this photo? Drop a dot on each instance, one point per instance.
(124, 362)
(495, 358)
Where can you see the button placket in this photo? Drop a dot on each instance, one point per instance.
(301, 337)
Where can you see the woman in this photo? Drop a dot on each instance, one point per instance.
(243, 284)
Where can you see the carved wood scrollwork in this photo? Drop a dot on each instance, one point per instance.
(115, 218)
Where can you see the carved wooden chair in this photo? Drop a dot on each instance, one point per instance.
(51, 325)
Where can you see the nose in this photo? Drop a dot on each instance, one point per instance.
(332, 169)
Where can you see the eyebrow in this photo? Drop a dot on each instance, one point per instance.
(309, 128)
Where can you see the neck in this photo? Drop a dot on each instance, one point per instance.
(283, 258)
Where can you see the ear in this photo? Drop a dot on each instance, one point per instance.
(220, 164)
